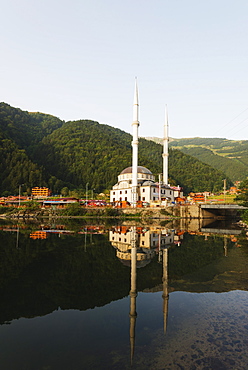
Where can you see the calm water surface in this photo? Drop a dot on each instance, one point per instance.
(141, 297)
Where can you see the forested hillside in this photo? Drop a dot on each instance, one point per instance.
(229, 156)
(41, 150)
(24, 128)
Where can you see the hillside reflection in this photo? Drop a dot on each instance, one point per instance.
(76, 268)
(54, 266)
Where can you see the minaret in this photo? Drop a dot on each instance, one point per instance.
(135, 125)
(165, 151)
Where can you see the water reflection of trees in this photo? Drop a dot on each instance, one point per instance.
(81, 271)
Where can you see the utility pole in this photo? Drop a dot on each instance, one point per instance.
(20, 194)
(87, 193)
(224, 190)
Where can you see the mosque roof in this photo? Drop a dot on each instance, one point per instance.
(140, 170)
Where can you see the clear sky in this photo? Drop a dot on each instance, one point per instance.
(77, 59)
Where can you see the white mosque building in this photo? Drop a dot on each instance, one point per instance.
(147, 189)
(137, 183)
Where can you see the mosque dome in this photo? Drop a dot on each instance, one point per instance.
(148, 183)
(141, 169)
(143, 174)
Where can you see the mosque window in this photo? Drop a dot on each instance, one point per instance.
(143, 198)
(154, 190)
(113, 192)
(113, 199)
(143, 190)
(120, 192)
(125, 198)
(143, 243)
(125, 240)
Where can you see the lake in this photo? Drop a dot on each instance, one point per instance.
(108, 296)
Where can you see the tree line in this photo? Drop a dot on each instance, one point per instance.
(37, 149)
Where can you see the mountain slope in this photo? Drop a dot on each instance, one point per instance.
(229, 156)
(16, 168)
(89, 152)
(41, 150)
(26, 128)
(19, 132)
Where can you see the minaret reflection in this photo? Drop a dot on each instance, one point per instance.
(135, 247)
(165, 240)
(133, 291)
(165, 294)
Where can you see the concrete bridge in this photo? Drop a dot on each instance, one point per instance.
(220, 210)
(211, 230)
(206, 211)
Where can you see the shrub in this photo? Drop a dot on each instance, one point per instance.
(111, 212)
(74, 209)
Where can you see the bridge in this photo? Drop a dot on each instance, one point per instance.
(221, 210)
(211, 230)
(206, 211)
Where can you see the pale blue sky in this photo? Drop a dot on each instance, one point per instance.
(78, 59)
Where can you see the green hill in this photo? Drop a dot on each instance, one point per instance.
(19, 132)
(41, 150)
(229, 156)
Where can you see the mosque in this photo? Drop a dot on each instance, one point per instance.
(137, 183)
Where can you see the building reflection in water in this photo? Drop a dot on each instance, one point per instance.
(135, 247)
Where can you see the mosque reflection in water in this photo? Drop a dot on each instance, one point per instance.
(135, 247)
